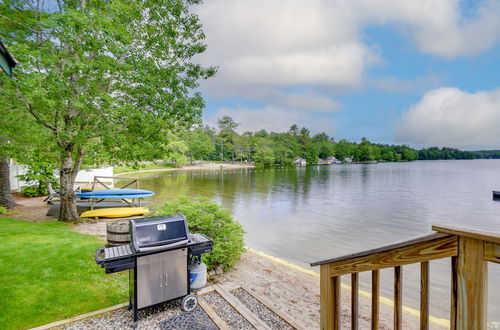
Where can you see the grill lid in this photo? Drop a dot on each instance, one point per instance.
(157, 232)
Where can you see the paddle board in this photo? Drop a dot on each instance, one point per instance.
(115, 212)
(116, 194)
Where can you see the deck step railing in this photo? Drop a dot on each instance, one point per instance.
(469, 252)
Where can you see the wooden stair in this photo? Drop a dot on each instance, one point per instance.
(225, 292)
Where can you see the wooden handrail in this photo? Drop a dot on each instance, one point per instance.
(492, 237)
(384, 248)
(470, 250)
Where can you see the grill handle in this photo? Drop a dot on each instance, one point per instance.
(99, 260)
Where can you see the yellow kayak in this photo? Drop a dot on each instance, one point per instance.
(115, 212)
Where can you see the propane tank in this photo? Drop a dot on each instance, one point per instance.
(197, 274)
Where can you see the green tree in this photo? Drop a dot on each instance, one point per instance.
(200, 143)
(264, 155)
(344, 149)
(226, 135)
(108, 79)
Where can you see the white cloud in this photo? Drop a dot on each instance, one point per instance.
(266, 48)
(284, 43)
(438, 27)
(451, 117)
(272, 118)
(318, 42)
(309, 102)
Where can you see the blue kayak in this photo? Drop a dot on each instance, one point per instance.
(116, 194)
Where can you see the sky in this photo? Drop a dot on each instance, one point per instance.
(418, 72)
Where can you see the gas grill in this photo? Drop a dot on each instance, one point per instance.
(157, 260)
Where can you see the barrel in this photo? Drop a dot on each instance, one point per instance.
(118, 232)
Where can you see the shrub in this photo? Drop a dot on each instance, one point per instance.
(33, 191)
(3, 210)
(36, 177)
(207, 217)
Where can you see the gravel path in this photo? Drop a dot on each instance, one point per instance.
(265, 314)
(227, 313)
(149, 318)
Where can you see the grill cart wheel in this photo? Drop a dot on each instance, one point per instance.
(189, 303)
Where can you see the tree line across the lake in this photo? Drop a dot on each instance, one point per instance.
(115, 82)
(270, 148)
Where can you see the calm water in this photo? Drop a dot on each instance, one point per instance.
(312, 213)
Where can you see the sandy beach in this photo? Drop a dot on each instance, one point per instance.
(195, 167)
(292, 289)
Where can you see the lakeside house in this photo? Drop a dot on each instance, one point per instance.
(299, 161)
(332, 160)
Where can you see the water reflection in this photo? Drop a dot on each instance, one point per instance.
(306, 214)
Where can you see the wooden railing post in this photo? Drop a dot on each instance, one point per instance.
(453, 295)
(330, 299)
(354, 301)
(424, 295)
(398, 298)
(375, 298)
(472, 279)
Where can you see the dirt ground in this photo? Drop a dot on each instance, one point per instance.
(33, 209)
(293, 290)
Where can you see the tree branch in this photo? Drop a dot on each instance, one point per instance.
(78, 161)
(37, 118)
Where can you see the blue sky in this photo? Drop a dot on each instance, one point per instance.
(423, 72)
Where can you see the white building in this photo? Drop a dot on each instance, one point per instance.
(299, 161)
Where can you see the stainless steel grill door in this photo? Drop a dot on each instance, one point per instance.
(161, 277)
(175, 270)
(150, 280)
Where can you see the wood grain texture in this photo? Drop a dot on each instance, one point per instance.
(385, 248)
(453, 294)
(492, 252)
(487, 236)
(354, 301)
(472, 280)
(240, 308)
(398, 299)
(212, 314)
(437, 248)
(326, 299)
(375, 298)
(337, 307)
(266, 302)
(80, 317)
(424, 295)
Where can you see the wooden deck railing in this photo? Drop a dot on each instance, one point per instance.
(469, 252)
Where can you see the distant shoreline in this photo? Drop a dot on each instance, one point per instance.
(206, 166)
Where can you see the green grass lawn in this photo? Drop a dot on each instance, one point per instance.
(48, 273)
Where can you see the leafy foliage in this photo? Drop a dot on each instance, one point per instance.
(270, 148)
(36, 177)
(207, 217)
(3, 210)
(109, 81)
(451, 153)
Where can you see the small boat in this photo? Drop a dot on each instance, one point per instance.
(82, 206)
(115, 212)
(116, 194)
(496, 195)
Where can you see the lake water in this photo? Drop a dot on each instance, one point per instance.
(306, 214)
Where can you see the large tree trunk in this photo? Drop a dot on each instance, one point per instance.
(5, 193)
(69, 170)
